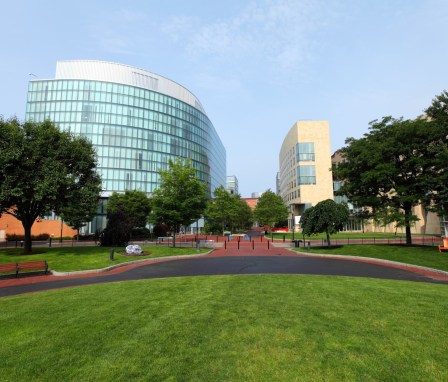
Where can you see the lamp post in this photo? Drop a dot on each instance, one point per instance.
(293, 225)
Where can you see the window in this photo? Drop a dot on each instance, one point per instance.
(305, 152)
(306, 174)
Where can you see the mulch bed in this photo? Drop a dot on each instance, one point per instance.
(124, 253)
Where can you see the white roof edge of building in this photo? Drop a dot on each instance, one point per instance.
(107, 71)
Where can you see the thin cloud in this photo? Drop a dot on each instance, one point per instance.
(111, 31)
(277, 34)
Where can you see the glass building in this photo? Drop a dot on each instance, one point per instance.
(136, 120)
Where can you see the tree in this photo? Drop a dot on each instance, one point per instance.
(270, 209)
(326, 216)
(245, 217)
(82, 206)
(226, 210)
(181, 198)
(43, 169)
(437, 198)
(392, 167)
(118, 229)
(134, 203)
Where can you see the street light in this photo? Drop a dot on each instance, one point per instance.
(293, 225)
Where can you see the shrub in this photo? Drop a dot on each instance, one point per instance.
(141, 233)
(160, 230)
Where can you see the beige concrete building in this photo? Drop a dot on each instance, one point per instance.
(305, 176)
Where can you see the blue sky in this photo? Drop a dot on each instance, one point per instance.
(256, 66)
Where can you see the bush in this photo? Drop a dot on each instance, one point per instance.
(141, 233)
(160, 230)
(118, 229)
(15, 237)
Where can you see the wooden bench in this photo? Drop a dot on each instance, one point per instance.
(25, 266)
(442, 248)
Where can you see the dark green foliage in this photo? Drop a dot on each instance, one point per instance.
(82, 206)
(141, 233)
(44, 169)
(181, 198)
(326, 216)
(227, 211)
(118, 229)
(40, 237)
(394, 167)
(160, 230)
(135, 203)
(270, 209)
(437, 198)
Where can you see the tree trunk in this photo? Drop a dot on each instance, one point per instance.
(407, 223)
(27, 229)
(328, 239)
(174, 238)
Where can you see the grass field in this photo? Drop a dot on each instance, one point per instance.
(228, 328)
(341, 235)
(418, 255)
(65, 259)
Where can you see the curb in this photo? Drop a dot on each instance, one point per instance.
(112, 267)
(435, 274)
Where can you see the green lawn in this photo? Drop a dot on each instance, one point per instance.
(344, 235)
(67, 259)
(228, 328)
(418, 255)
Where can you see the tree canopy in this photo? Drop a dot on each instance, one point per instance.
(134, 203)
(437, 114)
(326, 216)
(392, 168)
(181, 198)
(270, 209)
(227, 211)
(43, 169)
(82, 206)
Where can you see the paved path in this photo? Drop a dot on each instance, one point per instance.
(250, 258)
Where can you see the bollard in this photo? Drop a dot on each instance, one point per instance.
(268, 243)
(253, 244)
(238, 245)
(283, 238)
(111, 254)
(225, 244)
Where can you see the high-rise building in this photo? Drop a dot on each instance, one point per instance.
(232, 185)
(305, 176)
(136, 120)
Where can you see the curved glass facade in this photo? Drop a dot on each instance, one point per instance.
(135, 130)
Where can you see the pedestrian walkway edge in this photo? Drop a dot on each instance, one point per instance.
(432, 272)
(149, 260)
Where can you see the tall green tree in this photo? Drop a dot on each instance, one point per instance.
(245, 218)
(181, 198)
(437, 114)
(82, 207)
(326, 216)
(42, 169)
(270, 209)
(134, 203)
(393, 167)
(227, 211)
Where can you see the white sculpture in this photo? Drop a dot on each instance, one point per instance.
(133, 249)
